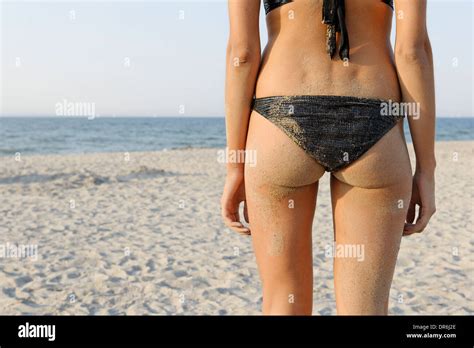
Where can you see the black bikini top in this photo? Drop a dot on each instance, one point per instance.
(334, 17)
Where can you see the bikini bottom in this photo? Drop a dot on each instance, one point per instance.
(334, 130)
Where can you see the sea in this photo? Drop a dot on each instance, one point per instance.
(76, 135)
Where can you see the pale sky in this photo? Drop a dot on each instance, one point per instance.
(59, 51)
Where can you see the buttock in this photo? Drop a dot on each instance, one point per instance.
(334, 130)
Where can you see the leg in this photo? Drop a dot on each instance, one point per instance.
(370, 200)
(281, 197)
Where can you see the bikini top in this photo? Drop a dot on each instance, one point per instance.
(334, 18)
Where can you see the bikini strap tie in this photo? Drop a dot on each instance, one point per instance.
(334, 17)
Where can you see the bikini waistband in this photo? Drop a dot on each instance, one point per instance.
(325, 99)
(302, 105)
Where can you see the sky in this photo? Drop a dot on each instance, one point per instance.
(166, 58)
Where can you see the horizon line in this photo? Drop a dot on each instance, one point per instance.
(149, 116)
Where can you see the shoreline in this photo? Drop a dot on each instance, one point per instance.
(191, 148)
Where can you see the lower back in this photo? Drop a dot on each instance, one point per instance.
(295, 60)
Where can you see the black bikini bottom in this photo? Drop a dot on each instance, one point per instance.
(334, 130)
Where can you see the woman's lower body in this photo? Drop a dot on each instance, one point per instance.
(370, 191)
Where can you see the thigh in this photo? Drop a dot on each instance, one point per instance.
(281, 196)
(370, 200)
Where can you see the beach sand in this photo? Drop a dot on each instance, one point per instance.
(141, 233)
